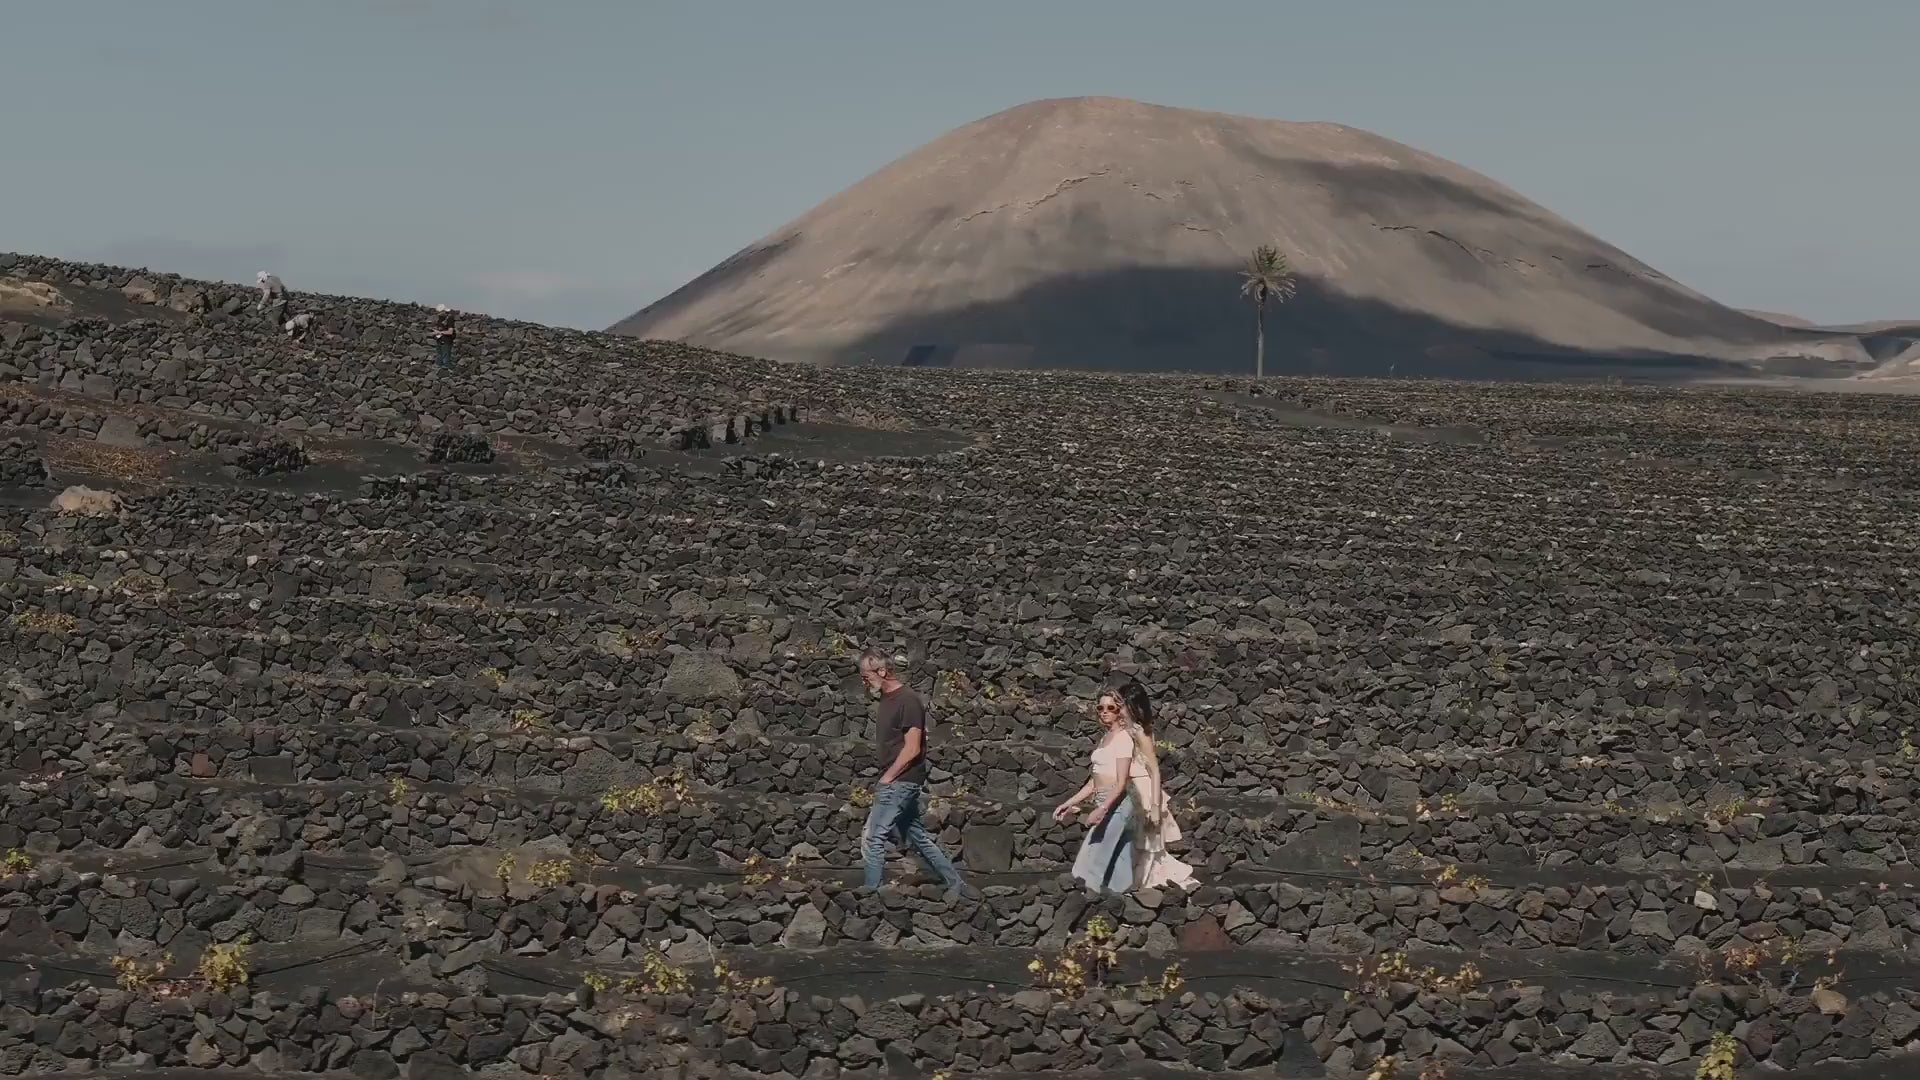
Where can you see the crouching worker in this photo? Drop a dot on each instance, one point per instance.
(271, 289)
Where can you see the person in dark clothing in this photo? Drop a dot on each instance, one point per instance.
(900, 736)
(443, 333)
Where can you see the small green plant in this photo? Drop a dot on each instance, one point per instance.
(56, 623)
(527, 721)
(140, 583)
(1085, 962)
(1380, 970)
(398, 788)
(16, 862)
(954, 685)
(831, 645)
(8, 541)
(734, 984)
(699, 727)
(76, 581)
(546, 873)
(1163, 988)
(224, 967)
(1747, 962)
(138, 976)
(1717, 1062)
(660, 975)
(860, 798)
(1907, 750)
(938, 803)
(758, 870)
(1740, 963)
(590, 863)
(647, 798)
(626, 642)
(597, 982)
(504, 869)
(1330, 803)
(1722, 814)
(1449, 878)
(492, 676)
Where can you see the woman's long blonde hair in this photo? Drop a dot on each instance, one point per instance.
(1139, 718)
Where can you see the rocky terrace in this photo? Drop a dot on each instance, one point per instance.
(363, 717)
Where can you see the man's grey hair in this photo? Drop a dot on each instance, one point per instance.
(883, 661)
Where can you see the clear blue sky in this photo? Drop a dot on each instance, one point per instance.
(572, 160)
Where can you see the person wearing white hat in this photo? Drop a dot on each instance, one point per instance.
(270, 288)
(443, 332)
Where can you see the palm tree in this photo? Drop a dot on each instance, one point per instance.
(1266, 280)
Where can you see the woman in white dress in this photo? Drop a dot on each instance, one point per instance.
(1131, 822)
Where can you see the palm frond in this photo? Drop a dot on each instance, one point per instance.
(1267, 279)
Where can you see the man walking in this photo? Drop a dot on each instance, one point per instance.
(900, 734)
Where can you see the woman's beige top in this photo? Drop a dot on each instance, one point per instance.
(1106, 759)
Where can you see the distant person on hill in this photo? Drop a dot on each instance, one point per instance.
(271, 289)
(900, 736)
(1131, 822)
(298, 326)
(443, 332)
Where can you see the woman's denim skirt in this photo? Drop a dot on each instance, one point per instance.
(1105, 862)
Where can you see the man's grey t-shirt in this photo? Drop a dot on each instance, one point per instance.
(899, 712)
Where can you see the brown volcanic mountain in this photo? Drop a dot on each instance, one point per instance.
(1096, 232)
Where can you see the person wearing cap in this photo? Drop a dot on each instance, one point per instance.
(270, 288)
(443, 336)
(298, 326)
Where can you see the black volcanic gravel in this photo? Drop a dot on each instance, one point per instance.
(489, 700)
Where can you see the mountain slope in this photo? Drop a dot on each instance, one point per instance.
(1096, 232)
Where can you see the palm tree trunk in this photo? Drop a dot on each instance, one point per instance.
(1259, 341)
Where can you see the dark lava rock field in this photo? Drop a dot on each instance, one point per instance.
(365, 718)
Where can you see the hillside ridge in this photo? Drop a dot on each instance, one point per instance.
(1105, 233)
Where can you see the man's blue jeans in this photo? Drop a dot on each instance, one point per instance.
(895, 817)
(443, 352)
